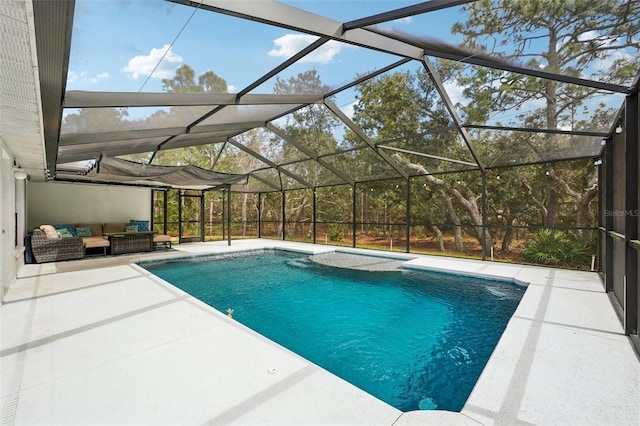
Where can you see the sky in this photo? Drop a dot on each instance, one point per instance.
(117, 44)
(129, 46)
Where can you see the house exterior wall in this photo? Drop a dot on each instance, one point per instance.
(57, 202)
(12, 194)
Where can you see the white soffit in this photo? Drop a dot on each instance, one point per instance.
(20, 112)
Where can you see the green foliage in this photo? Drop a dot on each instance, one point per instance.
(419, 232)
(557, 248)
(184, 82)
(538, 32)
(335, 233)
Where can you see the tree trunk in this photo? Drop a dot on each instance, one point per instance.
(439, 237)
(584, 215)
(551, 208)
(244, 214)
(468, 202)
(210, 217)
(457, 228)
(508, 236)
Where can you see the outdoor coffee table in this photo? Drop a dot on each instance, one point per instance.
(130, 242)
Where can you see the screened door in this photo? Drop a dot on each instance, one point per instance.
(191, 218)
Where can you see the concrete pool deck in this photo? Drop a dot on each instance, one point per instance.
(102, 341)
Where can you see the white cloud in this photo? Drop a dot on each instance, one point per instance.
(606, 63)
(348, 109)
(231, 89)
(455, 92)
(83, 77)
(406, 20)
(100, 77)
(143, 65)
(290, 44)
(586, 36)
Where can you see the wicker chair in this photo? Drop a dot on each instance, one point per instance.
(54, 249)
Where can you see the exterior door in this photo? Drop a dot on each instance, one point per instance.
(191, 218)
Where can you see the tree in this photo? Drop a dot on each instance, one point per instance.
(212, 83)
(93, 120)
(567, 38)
(404, 107)
(245, 163)
(184, 82)
(311, 126)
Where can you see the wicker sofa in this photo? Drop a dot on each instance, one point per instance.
(47, 249)
(46, 246)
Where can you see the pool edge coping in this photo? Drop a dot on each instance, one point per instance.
(406, 417)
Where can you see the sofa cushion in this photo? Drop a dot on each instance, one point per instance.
(64, 233)
(83, 231)
(91, 242)
(143, 225)
(113, 227)
(49, 231)
(67, 226)
(131, 228)
(96, 228)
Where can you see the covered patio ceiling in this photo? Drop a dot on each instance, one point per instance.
(385, 38)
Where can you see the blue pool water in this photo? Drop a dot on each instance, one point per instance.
(417, 340)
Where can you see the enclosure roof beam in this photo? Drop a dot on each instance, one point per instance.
(309, 153)
(404, 12)
(609, 87)
(53, 24)
(537, 130)
(358, 131)
(439, 49)
(218, 154)
(421, 154)
(435, 79)
(292, 18)
(368, 76)
(83, 99)
(122, 135)
(286, 64)
(269, 162)
(266, 182)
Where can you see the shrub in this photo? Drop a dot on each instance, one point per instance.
(335, 233)
(558, 248)
(419, 232)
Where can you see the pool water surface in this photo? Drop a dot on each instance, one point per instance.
(414, 339)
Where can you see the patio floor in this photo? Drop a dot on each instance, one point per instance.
(102, 341)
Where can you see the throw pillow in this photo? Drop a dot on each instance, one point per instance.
(70, 228)
(64, 233)
(143, 225)
(49, 231)
(83, 231)
(131, 228)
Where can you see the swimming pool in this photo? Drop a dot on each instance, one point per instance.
(415, 339)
